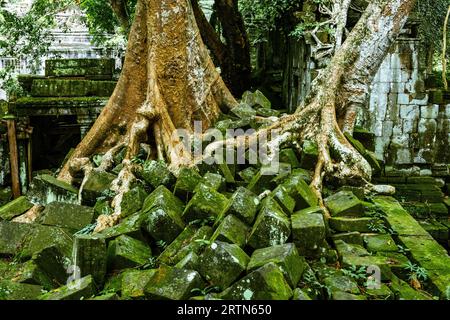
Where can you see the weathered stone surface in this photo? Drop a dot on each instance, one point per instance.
(309, 155)
(188, 179)
(222, 263)
(272, 227)
(341, 295)
(79, 67)
(231, 230)
(285, 256)
(163, 224)
(345, 224)
(42, 237)
(214, 181)
(344, 203)
(304, 196)
(289, 156)
(244, 111)
(345, 248)
(281, 195)
(380, 243)
(15, 208)
(126, 252)
(30, 273)
(132, 201)
(382, 293)
(10, 290)
(95, 184)
(341, 283)
(189, 262)
(188, 241)
(244, 204)
(349, 237)
(300, 294)
(71, 88)
(265, 283)
(205, 204)
(256, 98)
(76, 290)
(46, 189)
(162, 198)
(66, 215)
(130, 226)
(173, 284)
(107, 296)
(53, 263)
(308, 232)
(134, 283)
(403, 291)
(13, 236)
(90, 256)
(156, 174)
(260, 182)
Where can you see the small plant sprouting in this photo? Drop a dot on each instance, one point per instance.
(416, 275)
(137, 160)
(151, 264)
(203, 222)
(359, 274)
(402, 249)
(376, 227)
(161, 244)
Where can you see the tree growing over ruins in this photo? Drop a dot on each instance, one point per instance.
(169, 81)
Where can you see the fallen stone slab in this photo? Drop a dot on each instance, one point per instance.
(95, 185)
(162, 198)
(304, 196)
(90, 256)
(285, 256)
(53, 263)
(163, 224)
(231, 230)
(309, 155)
(90, 68)
(272, 227)
(349, 237)
(403, 291)
(222, 263)
(380, 243)
(126, 252)
(244, 204)
(265, 283)
(345, 296)
(363, 225)
(286, 202)
(15, 208)
(205, 204)
(300, 294)
(172, 284)
(344, 203)
(156, 173)
(78, 289)
(381, 293)
(30, 273)
(42, 237)
(66, 215)
(308, 232)
(190, 240)
(13, 237)
(189, 262)
(134, 283)
(130, 226)
(341, 283)
(132, 201)
(214, 181)
(188, 179)
(46, 189)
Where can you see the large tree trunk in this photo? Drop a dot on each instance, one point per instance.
(169, 81)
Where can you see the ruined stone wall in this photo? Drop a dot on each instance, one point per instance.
(410, 128)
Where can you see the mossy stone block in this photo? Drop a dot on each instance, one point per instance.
(184, 244)
(289, 156)
(188, 179)
(162, 198)
(172, 284)
(132, 201)
(337, 282)
(380, 243)
(403, 291)
(42, 237)
(381, 293)
(300, 294)
(46, 189)
(344, 248)
(13, 236)
(345, 296)
(222, 263)
(281, 195)
(134, 283)
(214, 181)
(156, 173)
(308, 232)
(247, 174)
(309, 155)
(95, 185)
(189, 262)
(11, 290)
(90, 256)
(66, 215)
(304, 196)
(79, 67)
(126, 252)
(231, 230)
(344, 203)
(285, 256)
(244, 204)
(244, 111)
(205, 204)
(261, 182)
(78, 289)
(256, 98)
(349, 237)
(265, 283)
(15, 208)
(130, 226)
(30, 273)
(347, 224)
(163, 224)
(272, 227)
(52, 262)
